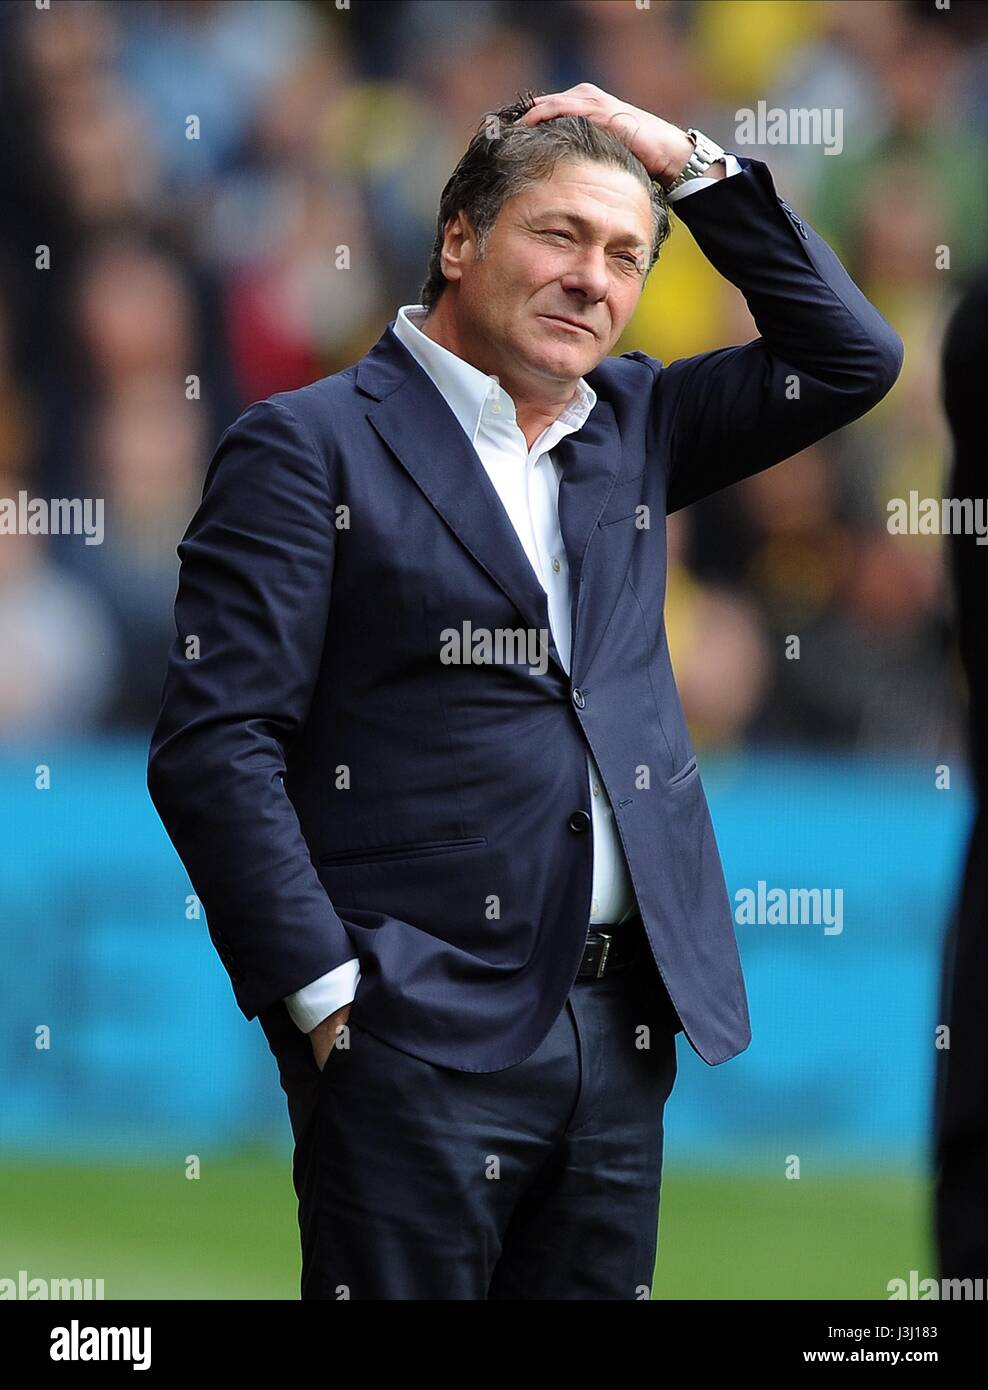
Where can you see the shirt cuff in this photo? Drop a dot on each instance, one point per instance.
(312, 1003)
(731, 165)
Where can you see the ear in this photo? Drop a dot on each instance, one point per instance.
(459, 245)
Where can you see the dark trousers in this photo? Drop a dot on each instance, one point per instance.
(540, 1181)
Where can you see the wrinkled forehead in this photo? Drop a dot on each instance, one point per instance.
(596, 199)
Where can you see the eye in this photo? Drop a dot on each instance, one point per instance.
(631, 260)
(555, 231)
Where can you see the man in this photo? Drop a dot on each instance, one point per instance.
(427, 766)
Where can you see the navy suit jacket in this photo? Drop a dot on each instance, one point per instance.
(334, 789)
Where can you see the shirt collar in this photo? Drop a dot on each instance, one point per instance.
(465, 388)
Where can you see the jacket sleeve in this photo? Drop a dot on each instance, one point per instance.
(824, 356)
(251, 611)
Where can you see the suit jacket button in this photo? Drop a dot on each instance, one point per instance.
(579, 821)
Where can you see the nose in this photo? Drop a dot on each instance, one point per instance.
(587, 277)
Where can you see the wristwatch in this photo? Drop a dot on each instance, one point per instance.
(705, 153)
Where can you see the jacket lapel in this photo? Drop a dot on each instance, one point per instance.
(590, 461)
(446, 468)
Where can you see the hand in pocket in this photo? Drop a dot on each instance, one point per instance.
(324, 1036)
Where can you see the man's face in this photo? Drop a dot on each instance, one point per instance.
(574, 247)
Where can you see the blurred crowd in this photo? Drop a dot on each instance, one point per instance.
(176, 176)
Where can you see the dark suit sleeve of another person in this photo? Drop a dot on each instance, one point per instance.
(964, 384)
(961, 1099)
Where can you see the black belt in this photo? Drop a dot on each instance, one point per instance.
(611, 948)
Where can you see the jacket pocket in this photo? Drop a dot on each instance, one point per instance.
(625, 516)
(624, 501)
(413, 849)
(685, 774)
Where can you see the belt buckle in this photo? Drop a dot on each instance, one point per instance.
(607, 938)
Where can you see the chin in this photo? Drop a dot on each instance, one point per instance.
(566, 359)
(564, 367)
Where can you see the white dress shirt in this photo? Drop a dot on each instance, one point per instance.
(527, 482)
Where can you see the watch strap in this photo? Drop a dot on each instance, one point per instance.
(705, 153)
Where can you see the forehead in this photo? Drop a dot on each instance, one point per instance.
(599, 196)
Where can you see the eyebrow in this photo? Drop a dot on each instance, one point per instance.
(585, 225)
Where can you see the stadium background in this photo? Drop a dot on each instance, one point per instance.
(214, 258)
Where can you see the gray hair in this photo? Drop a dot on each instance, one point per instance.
(504, 159)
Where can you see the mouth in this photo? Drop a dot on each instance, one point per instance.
(572, 324)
